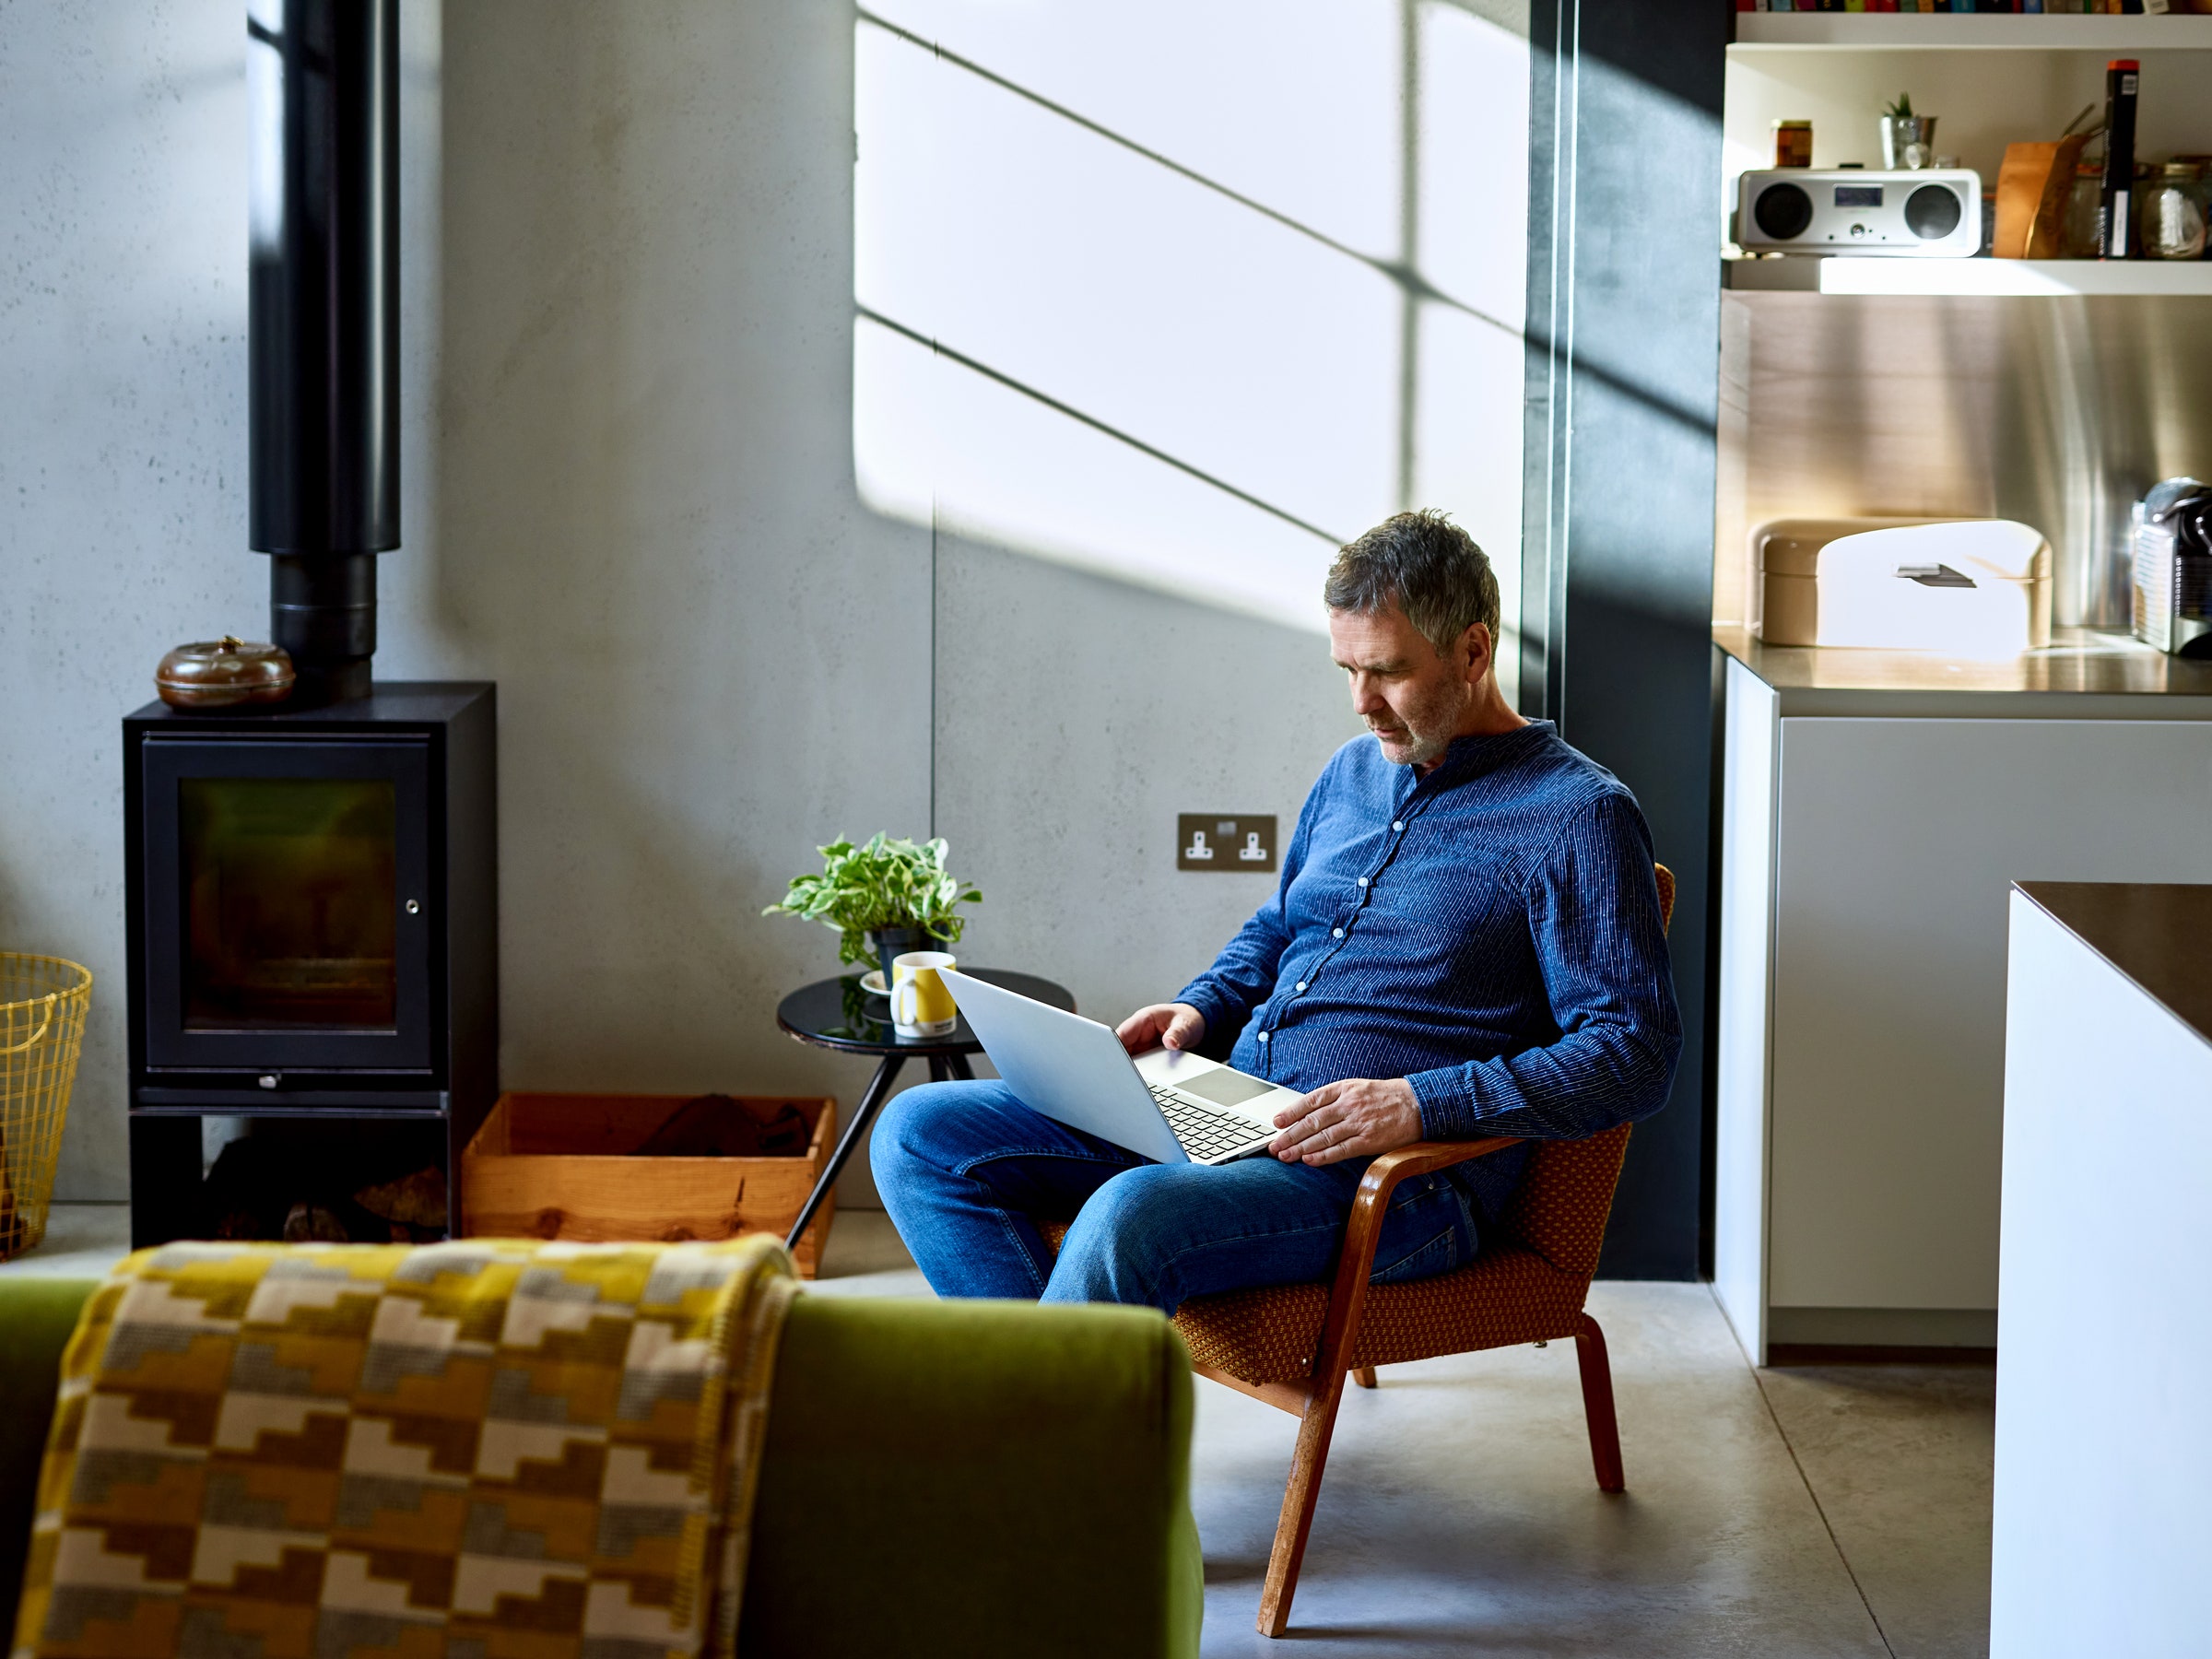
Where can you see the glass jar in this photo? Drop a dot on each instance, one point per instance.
(2077, 235)
(2173, 213)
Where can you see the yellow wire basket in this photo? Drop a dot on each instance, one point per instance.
(43, 1003)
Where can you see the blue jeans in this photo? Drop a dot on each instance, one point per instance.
(966, 1170)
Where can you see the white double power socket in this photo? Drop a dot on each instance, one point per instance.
(1233, 843)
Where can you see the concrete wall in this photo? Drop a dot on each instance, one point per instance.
(628, 494)
(123, 442)
(711, 657)
(1075, 717)
(630, 437)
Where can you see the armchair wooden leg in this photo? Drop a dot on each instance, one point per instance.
(1597, 1405)
(1313, 1430)
(1365, 1376)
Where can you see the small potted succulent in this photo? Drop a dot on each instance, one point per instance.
(1907, 140)
(885, 898)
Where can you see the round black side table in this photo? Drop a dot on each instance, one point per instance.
(837, 1014)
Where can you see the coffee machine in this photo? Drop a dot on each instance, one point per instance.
(2172, 605)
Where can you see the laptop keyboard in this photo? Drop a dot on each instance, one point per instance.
(1204, 1132)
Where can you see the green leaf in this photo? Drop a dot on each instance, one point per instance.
(887, 883)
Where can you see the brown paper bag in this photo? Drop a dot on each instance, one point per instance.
(2032, 187)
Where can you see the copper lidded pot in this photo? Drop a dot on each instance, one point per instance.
(224, 673)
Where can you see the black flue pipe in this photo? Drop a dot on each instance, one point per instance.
(323, 325)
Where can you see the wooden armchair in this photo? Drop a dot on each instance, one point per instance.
(1292, 1345)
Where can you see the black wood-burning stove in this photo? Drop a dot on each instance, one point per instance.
(313, 886)
(313, 927)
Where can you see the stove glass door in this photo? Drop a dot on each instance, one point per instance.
(291, 903)
(290, 906)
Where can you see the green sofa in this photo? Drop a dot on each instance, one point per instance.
(940, 1477)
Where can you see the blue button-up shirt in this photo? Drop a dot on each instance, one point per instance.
(1490, 932)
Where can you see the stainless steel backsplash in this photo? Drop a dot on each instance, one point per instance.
(2058, 412)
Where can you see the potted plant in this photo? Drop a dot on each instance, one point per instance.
(1907, 140)
(885, 898)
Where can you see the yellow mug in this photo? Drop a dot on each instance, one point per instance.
(921, 1003)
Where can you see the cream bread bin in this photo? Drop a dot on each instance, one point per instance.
(1970, 587)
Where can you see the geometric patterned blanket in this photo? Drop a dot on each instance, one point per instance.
(486, 1449)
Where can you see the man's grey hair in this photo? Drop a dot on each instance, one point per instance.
(1427, 566)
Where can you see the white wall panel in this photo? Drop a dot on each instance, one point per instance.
(1740, 1175)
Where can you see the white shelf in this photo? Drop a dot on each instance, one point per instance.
(1809, 273)
(1890, 32)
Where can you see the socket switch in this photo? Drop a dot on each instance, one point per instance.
(1218, 841)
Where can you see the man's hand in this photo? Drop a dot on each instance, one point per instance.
(1357, 1118)
(1169, 1025)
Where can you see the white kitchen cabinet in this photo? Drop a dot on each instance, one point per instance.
(1865, 862)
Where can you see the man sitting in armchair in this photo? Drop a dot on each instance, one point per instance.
(1465, 942)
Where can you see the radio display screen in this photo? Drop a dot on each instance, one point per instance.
(1858, 195)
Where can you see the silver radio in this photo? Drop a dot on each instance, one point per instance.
(1934, 213)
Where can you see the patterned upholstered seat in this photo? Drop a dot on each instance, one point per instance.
(1527, 1287)
(1292, 1346)
(1530, 1289)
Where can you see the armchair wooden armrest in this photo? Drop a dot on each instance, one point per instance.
(1315, 1404)
(1364, 1231)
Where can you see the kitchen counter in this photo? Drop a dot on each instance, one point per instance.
(2083, 675)
(2153, 935)
(2098, 1526)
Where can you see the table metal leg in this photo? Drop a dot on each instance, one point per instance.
(871, 1101)
(949, 1068)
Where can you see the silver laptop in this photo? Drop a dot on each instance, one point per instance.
(1166, 1105)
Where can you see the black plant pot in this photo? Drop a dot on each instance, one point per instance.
(891, 942)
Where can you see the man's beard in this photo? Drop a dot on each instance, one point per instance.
(1419, 750)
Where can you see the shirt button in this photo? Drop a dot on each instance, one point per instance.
(1400, 824)
(1362, 881)
(1301, 985)
(1337, 933)
(1263, 1036)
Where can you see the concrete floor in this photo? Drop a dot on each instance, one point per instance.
(1839, 1509)
(83, 1241)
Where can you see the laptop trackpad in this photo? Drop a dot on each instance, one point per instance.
(1224, 1088)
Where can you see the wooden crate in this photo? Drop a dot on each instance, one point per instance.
(564, 1166)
